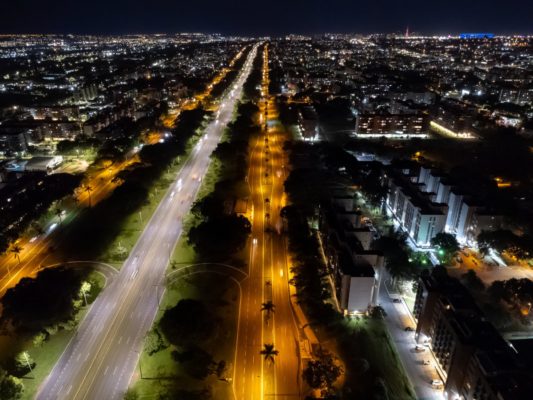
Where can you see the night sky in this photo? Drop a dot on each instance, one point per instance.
(272, 17)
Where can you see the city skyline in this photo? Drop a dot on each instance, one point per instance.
(275, 18)
(207, 216)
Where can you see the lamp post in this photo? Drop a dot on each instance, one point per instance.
(27, 359)
(85, 287)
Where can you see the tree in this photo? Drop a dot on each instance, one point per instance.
(174, 394)
(59, 214)
(504, 240)
(269, 307)
(210, 206)
(472, 281)
(446, 244)
(497, 290)
(197, 362)
(220, 237)
(306, 188)
(269, 352)
(372, 186)
(516, 292)
(397, 261)
(16, 250)
(188, 323)
(21, 364)
(44, 301)
(322, 372)
(154, 342)
(11, 388)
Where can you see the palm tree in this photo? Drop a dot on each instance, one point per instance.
(88, 189)
(16, 250)
(269, 352)
(59, 214)
(269, 307)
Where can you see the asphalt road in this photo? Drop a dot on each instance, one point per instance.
(100, 360)
(268, 277)
(420, 375)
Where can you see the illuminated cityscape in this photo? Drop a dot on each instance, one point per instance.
(258, 214)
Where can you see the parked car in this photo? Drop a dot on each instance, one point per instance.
(396, 300)
(419, 349)
(437, 383)
(409, 329)
(426, 362)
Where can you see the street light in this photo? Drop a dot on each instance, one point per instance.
(26, 357)
(85, 287)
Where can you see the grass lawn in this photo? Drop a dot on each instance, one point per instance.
(160, 371)
(375, 345)
(385, 357)
(46, 355)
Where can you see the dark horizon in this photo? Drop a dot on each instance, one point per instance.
(235, 17)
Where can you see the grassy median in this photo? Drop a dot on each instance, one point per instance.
(160, 373)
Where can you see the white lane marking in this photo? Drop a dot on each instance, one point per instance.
(69, 389)
(119, 340)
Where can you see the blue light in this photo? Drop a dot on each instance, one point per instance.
(476, 35)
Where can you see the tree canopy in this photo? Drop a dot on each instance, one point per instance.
(11, 388)
(322, 372)
(504, 240)
(220, 237)
(188, 323)
(447, 246)
(47, 299)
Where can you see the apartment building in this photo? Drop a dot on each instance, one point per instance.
(308, 123)
(355, 266)
(475, 361)
(425, 202)
(401, 125)
(413, 208)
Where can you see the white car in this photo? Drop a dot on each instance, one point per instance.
(437, 383)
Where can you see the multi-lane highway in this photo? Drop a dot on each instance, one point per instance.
(100, 360)
(268, 273)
